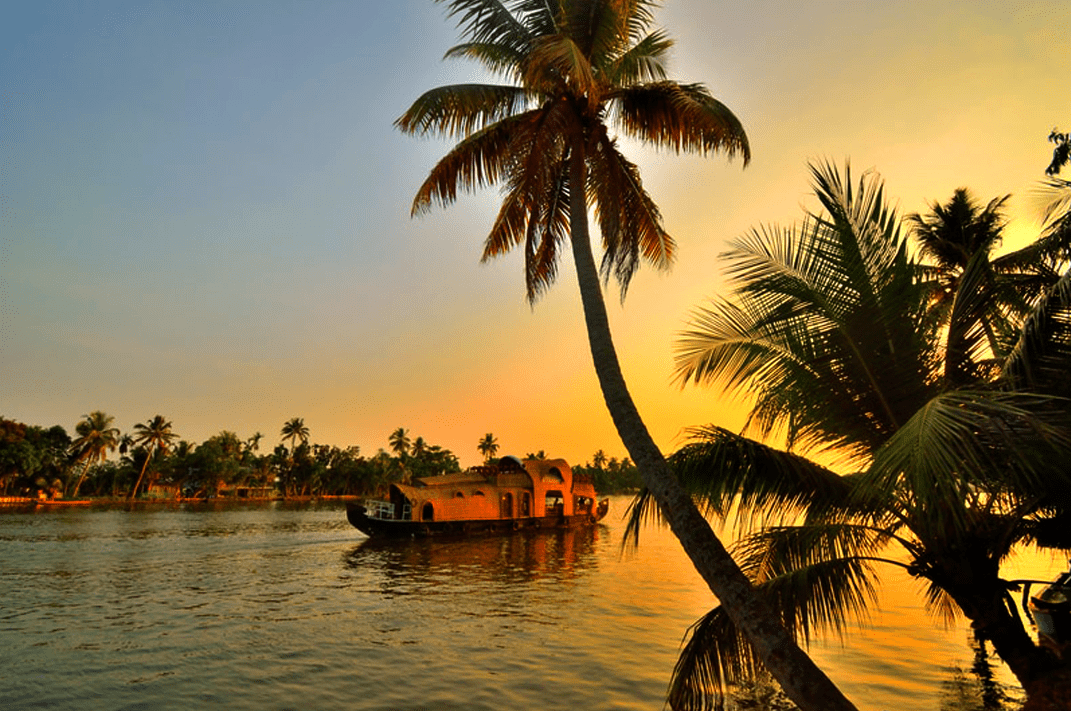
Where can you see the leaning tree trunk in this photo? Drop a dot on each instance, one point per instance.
(134, 491)
(81, 478)
(984, 600)
(801, 680)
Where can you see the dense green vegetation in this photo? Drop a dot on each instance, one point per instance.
(153, 462)
(610, 475)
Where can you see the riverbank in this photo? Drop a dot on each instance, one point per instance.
(24, 502)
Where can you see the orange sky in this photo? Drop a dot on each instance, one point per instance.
(206, 210)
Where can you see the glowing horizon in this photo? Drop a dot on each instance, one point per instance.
(206, 210)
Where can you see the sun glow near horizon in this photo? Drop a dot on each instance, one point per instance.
(206, 210)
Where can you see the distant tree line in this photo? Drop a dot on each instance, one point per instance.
(153, 462)
(610, 475)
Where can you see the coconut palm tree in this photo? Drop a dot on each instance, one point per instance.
(96, 437)
(295, 431)
(156, 437)
(576, 71)
(399, 442)
(830, 329)
(952, 234)
(488, 446)
(253, 443)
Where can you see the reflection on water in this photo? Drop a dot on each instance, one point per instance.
(978, 688)
(288, 607)
(561, 555)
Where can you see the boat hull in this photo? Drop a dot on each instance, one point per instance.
(357, 515)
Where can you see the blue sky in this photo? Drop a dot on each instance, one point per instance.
(205, 206)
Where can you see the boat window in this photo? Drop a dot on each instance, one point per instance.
(428, 513)
(478, 493)
(554, 503)
(459, 494)
(553, 474)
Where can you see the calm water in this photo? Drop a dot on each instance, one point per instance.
(277, 606)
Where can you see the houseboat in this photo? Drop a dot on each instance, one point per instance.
(508, 495)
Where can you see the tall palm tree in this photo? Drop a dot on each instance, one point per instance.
(96, 437)
(488, 446)
(156, 437)
(953, 235)
(576, 69)
(399, 442)
(295, 431)
(829, 329)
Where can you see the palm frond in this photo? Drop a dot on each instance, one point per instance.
(715, 657)
(541, 249)
(641, 63)
(962, 442)
(1041, 359)
(535, 206)
(967, 343)
(723, 469)
(489, 22)
(820, 597)
(497, 58)
(641, 510)
(940, 604)
(555, 62)
(681, 117)
(825, 596)
(459, 109)
(822, 327)
(863, 226)
(1055, 195)
(478, 161)
(629, 220)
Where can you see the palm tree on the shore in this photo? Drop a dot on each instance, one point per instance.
(155, 436)
(830, 329)
(578, 68)
(488, 446)
(955, 235)
(96, 437)
(253, 443)
(294, 430)
(399, 442)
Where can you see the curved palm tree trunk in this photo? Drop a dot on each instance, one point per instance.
(801, 680)
(134, 491)
(987, 605)
(81, 478)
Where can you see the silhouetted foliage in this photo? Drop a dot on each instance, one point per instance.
(1061, 154)
(32, 458)
(611, 476)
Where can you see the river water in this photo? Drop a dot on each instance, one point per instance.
(285, 606)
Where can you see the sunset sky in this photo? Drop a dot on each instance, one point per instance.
(204, 207)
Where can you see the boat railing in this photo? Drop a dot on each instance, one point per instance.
(385, 510)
